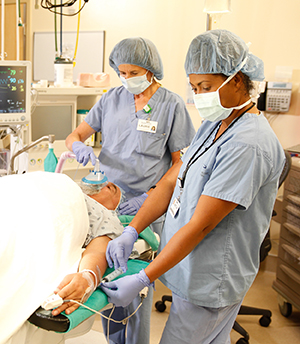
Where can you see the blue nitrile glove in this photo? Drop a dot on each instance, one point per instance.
(119, 249)
(83, 153)
(132, 206)
(122, 291)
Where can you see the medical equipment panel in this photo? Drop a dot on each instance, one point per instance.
(56, 113)
(56, 120)
(15, 86)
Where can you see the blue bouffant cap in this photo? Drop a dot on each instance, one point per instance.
(222, 52)
(137, 51)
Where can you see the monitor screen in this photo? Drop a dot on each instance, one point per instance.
(15, 85)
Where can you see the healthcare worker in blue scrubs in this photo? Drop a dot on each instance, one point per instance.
(218, 199)
(144, 126)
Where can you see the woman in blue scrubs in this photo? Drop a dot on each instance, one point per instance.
(144, 126)
(218, 199)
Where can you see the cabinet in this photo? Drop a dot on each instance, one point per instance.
(287, 282)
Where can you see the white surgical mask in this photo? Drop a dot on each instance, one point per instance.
(137, 84)
(210, 107)
(209, 104)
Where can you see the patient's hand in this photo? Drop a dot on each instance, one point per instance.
(78, 286)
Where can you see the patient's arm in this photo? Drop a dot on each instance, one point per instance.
(74, 286)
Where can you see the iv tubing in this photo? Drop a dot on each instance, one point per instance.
(17, 29)
(61, 27)
(55, 31)
(2, 28)
(77, 36)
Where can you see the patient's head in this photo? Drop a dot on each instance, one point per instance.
(109, 196)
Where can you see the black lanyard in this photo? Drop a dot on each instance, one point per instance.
(194, 158)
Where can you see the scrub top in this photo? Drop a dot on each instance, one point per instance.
(136, 160)
(243, 166)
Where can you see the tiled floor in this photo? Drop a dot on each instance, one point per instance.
(281, 330)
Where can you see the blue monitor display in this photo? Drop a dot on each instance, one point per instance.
(15, 83)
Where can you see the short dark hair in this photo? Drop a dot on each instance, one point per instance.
(249, 85)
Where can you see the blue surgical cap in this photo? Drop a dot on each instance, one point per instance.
(222, 52)
(137, 51)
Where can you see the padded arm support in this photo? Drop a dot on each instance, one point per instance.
(98, 300)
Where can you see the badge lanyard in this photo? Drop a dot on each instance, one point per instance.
(181, 180)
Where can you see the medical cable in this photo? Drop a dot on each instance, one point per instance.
(2, 28)
(77, 37)
(76, 171)
(17, 31)
(109, 318)
(55, 32)
(48, 5)
(61, 30)
(104, 316)
(194, 158)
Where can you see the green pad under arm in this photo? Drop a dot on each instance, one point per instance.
(98, 299)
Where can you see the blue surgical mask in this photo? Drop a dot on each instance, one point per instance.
(137, 84)
(209, 104)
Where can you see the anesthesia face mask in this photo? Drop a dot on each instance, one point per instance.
(136, 84)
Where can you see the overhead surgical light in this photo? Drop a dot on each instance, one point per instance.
(214, 10)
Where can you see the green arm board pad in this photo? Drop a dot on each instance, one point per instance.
(98, 300)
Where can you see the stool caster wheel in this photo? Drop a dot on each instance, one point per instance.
(160, 306)
(284, 307)
(265, 321)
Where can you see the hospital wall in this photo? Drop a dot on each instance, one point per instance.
(272, 26)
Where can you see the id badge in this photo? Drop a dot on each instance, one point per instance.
(147, 126)
(174, 207)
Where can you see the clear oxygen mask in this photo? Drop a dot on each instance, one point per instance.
(95, 177)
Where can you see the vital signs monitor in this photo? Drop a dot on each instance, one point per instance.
(15, 88)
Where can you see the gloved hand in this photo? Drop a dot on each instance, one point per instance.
(122, 291)
(132, 206)
(83, 153)
(119, 249)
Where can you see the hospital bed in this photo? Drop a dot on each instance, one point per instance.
(64, 323)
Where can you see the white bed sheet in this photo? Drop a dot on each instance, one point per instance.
(44, 223)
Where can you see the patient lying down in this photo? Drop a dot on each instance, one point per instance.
(46, 220)
(104, 226)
